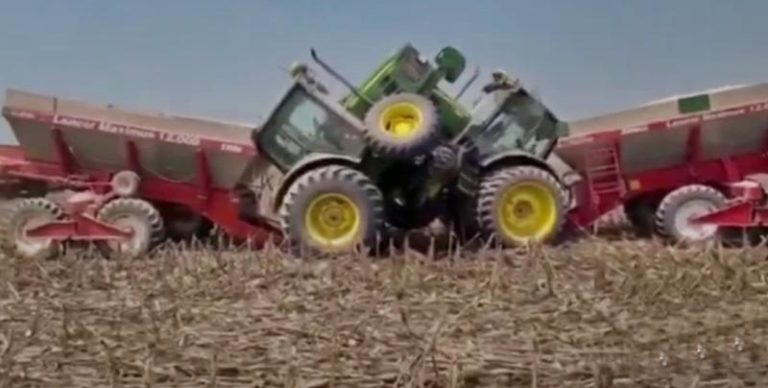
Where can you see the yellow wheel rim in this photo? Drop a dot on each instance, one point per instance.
(527, 212)
(402, 119)
(333, 220)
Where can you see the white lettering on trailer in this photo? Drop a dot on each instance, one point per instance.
(685, 121)
(724, 114)
(758, 107)
(23, 114)
(231, 148)
(111, 128)
(140, 133)
(74, 122)
(123, 129)
(180, 138)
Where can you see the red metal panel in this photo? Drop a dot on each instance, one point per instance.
(133, 131)
(739, 214)
(720, 172)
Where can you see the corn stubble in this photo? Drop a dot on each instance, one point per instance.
(590, 314)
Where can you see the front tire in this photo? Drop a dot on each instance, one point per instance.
(332, 209)
(521, 205)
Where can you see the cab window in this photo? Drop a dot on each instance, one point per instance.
(523, 123)
(302, 125)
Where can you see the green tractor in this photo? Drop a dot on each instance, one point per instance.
(396, 154)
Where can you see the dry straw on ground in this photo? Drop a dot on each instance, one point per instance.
(591, 314)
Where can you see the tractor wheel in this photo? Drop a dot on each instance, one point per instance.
(402, 126)
(24, 214)
(677, 207)
(521, 205)
(332, 209)
(131, 214)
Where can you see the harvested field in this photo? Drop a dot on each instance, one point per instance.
(591, 314)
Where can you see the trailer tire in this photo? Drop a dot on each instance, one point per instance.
(332, 209)
(17, 217)
(402, 126)
(684, 202)
(138, 215)
(512, 197)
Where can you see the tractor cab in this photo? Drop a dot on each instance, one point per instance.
(307, 121)
(507, 118)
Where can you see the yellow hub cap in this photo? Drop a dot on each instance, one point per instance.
(402, 119)
(527, 211)
(333, 220)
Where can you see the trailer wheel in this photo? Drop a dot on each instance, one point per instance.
(24, 214)
(332, 209)
(521, 205)
(677, 207)
(131, 214)
(402, 126)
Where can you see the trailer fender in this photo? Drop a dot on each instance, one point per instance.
(310, 162)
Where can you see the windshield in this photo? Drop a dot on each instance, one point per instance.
(303, 125)
(521, 122)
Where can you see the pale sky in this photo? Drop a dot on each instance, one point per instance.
(223, 58)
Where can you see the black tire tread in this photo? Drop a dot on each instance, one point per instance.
(671, 201)
(331, 173)
(136, 206)
(381, 143)
(7, 243)
(492, 183)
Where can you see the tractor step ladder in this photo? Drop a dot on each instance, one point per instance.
(603, 173)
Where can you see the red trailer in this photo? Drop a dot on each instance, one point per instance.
(684, 167)
(195, 174)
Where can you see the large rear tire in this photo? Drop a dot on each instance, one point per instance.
(131, 214)
(332, 209)
(677, 207)
(402, 126)
(25, 214)
(521, 205)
